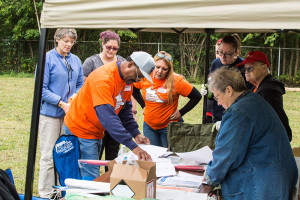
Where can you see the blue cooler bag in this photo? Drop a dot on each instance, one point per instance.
(66, 154)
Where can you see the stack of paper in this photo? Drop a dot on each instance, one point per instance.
(203, 155)
(181, 180)
(164, 167)
(87, 187)
(164, 194)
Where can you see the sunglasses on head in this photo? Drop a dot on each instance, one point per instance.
(111, 48)
(163, 55)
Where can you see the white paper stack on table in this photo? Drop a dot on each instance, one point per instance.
(203, 155)
(86, 187)
(183, 179)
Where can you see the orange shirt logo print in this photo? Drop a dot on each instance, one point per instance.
(119, 100)
(152, 95)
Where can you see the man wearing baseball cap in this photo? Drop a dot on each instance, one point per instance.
(257, 72)
(103, 103)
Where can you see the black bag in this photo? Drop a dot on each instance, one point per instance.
(7, 188)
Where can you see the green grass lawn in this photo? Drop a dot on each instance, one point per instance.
(16, 96)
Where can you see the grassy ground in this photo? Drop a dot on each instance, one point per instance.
(16, 95)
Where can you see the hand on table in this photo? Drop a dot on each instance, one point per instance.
(142, 155)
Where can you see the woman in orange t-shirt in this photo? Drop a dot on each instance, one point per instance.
(160, 99)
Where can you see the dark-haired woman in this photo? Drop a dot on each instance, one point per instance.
(228, 55)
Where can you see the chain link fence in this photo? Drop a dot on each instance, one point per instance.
(21, 56)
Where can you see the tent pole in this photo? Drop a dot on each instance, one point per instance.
(35, 114)
(206, 70)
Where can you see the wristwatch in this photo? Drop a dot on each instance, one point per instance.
(60, 103)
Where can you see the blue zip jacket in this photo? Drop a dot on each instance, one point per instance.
(60, 82)
(253, 159)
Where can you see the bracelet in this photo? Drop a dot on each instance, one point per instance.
(134, 112)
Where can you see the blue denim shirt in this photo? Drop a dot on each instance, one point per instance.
(60, 82)
(253, 158)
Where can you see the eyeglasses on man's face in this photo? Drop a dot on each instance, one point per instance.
(111, 48)
(163, 55)
(226, 55)
(251, 67)
(248, 69)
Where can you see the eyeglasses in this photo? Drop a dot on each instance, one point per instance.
(249, 69)
(226, 55)
(111, 48)
(163, 55)
(216, 97)
(137, 79)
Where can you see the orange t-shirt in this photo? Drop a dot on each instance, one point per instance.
(103, 86)
(157, 110)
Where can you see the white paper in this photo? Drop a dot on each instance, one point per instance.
(83, 195)
(166, 194)
(164, 167)
(189, 176)
(87, 185)
(154, 151)
(177, 181)
(203, 155)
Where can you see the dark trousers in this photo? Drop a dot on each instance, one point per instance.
(111, 148)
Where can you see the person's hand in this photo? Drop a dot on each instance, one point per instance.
(175, 115)
(134, 112)
(142, 155)
(141, 139)
(203, 90)
(143, 111)
(72, 97)
(204, 174)
(66, 107)
(216, 126)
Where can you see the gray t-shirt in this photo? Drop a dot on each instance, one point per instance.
(93, 62)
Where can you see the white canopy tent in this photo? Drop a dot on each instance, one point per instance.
(161, 15)
(179, 16)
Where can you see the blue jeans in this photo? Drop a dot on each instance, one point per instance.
(89, 150)
(157, 137)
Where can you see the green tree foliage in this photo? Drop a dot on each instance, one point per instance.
(19, 35)
(18, 20)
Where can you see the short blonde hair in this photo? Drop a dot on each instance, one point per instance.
(63, 32)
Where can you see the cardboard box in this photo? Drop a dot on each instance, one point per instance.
(133, 182)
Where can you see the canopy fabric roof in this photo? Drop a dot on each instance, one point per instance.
(162, 15)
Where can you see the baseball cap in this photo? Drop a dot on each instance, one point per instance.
(145, 63)
(254, 56)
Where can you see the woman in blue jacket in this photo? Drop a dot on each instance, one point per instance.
(253, 158)
(62, 80)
